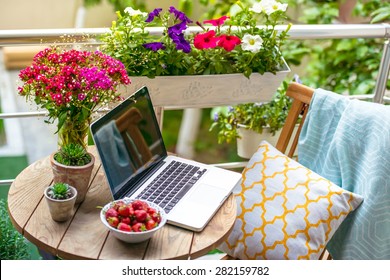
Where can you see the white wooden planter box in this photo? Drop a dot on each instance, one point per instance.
(204, 91)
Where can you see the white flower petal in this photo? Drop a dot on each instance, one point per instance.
(133, 12)
(252, 43)
(257, 8)
(268, 7)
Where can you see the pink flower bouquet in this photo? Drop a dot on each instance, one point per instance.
(72, 85)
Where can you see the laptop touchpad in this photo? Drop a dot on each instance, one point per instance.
(207, 194)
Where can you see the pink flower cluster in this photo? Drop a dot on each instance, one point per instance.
(71, 81)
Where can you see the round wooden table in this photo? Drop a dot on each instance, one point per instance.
(85, 237)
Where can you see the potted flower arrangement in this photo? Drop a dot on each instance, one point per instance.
(232, 47)
(61, 199)
(71, 85)
(252, 122)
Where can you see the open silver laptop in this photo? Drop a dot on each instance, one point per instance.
(137, 165)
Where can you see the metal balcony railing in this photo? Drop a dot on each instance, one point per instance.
(297, 32)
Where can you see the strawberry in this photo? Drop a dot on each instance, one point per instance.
(118, 204)
(145, 205)
(111, 212)
(151, 210)
(140, 215)
(124, 227)
(138, 205)
(138, 227)
(156, 217)
(126, 220)
(148, 217)
(150, 224)
(131, 211)
(113, 221)
(124, 210)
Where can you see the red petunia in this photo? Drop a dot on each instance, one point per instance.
(218, 21)
(205, 40)
(228, 42)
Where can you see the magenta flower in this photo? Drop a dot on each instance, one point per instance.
(228, 42)
(217, 22)
(206, 40)
(81, 96)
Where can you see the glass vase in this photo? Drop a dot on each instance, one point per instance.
(74, 132)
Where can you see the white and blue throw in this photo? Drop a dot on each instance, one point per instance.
(348, 142)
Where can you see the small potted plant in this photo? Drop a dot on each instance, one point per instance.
(73, 165)
(61, 199)
(252, 122)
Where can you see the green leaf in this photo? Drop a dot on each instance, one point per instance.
(61, 120)
(364, 87)
(344, 45)
(362, 51)
(228, 126)
(381, 17)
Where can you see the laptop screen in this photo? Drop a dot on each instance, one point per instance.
(129, 142)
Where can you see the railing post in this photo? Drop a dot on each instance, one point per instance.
(383, 74)
(384, 68)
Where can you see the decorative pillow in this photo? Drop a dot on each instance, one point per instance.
(285, 211)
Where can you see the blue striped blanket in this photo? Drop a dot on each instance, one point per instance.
(348, 142)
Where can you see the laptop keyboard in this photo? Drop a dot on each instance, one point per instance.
(172, 184)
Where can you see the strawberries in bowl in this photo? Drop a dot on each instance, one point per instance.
(132, 220)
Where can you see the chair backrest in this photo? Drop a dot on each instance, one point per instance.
(301, 96)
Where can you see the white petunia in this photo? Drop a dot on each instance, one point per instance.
(251, 43)
(256, 8)
(133, 12)
(268, 7)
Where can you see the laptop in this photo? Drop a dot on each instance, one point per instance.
(136, 163)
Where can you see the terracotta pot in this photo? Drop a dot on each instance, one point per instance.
(76, 176)
(61, 210)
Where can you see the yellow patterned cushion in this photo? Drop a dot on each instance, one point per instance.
(285, 211)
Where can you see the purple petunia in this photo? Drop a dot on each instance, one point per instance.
(153, 14)
(177, 29)
(175, 32)
(155, 46)
(216, 117)
(181, 43)
(179, 15)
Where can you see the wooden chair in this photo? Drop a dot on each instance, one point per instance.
(301, 96)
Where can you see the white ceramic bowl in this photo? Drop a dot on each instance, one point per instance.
(133, 237)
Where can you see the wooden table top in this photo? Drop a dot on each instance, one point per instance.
(85, 237)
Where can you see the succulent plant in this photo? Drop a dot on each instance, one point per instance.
(60, 191)
(73, 155)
